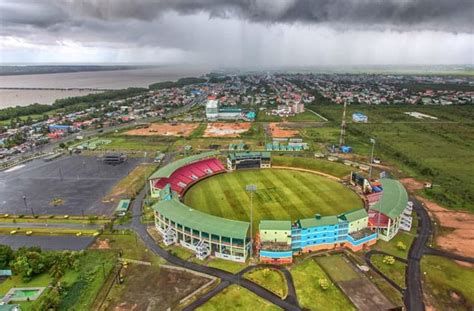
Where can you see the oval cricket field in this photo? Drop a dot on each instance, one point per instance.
(281, 195)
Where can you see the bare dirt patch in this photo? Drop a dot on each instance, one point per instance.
(278, 130)
(226, 129)
(101, 244)
(459, 237)
(165, 129)
(412, 184)
(153, 288)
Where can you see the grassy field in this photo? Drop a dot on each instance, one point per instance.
(226, 265)
(311, 296)
(448, 285)
(337, 268)
(395, 272)
(237, 298)
(271, 279)
(281, 194)
(137, 143)
(324, 166)
(129, 186)
(305, 116)
(436, 150)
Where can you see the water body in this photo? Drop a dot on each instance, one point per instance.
(17, 89)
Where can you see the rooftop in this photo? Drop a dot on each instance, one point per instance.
(175, 210)
(318, 221)
(167, 170)
(275, 225)
(239, 155)
(394, 198)
(354, 215)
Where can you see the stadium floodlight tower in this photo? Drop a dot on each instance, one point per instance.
(371, 158)
(251, 189)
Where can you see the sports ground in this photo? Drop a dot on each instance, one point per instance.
(281, 194)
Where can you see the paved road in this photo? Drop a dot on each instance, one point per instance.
(62, 242)
(413, 297)
(140, 229)
(50, 225)
(442, 253)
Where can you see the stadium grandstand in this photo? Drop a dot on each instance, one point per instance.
(184, 172)
(200, 232)
(243, 160)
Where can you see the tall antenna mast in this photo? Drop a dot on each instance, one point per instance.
(343, 126)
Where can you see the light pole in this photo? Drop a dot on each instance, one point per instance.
(26, 206)
(251, 189)
(371, 158)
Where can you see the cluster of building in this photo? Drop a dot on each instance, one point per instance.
(287, 144)
(388, 89)
(276, 241)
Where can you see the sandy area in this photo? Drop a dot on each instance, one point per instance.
(165, 129)
(226, 129)
(101, 244)
(276, 130)
(460, 238)
(459, 234)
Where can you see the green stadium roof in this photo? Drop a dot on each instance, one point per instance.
(238, 155)
(275, 225)
(315, 222)
(354, 215)
(184, 215)
(167, 170)
(394, 198)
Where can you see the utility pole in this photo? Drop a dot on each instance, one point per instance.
(251, 189)
(343, 126)
(26, 206)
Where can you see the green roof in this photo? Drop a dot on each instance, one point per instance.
(123, 206)
(394, 198)
(167, 170)
(184, 215)
(321, 221)
(238, 155)
(275, 225)
(354, 215)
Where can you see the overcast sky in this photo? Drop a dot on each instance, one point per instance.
(250, 33)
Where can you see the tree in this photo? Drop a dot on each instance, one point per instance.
(6, 255)
(401, 246)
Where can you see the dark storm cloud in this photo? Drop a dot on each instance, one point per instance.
(444, 15)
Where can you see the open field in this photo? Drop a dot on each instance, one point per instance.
(226, 129)
(447, 285)
(129, 186)
(237, 298)
(435, 150)
(304, 116)
(306, 276)
(278, 130)
(165, 129)
(128, 143)
(271, 279)
(337, 268)
(281, 194)
(395, 272)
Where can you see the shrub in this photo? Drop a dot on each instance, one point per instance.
(389, 260)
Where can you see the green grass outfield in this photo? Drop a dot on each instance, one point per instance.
(281, 194)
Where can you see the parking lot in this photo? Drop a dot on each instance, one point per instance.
(76, 183)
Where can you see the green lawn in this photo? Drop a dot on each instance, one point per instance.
(402, 236)
(395, 272)
(305, 116)
(237, 298)
(281, 194)
(443, 277)
(226, 265)
(337, 268)
(324, 166)
(271, 279)
(137, 143)
(306, 277)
